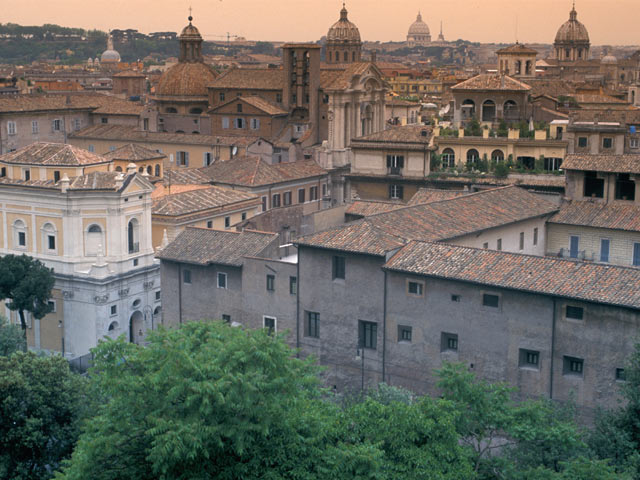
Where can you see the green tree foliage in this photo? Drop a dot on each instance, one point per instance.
(11, 338)
(26, 283)
(39, 412)
(473, 128)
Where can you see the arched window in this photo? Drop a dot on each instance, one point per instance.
(497, 156)
(93, 240)
(19, 235)
(133, 238)
(149, 170)
(518, 67)
(49, 238)
(468, 108)
(510, 110)
(472, 156)
(448, 158)
(157, 170)
(118, 169)
(141, 169)
(488, 111)
(171, 110)
(527, 69)
(195, 111)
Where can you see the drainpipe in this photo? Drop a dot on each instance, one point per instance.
(298, 304)
(553, 343)
(180, 293)
(384, 325)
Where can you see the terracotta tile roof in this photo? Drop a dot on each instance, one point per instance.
(591, 98)
(253, 171)
(130, 74)
(125, 133)
(203, 246)
(95, 103)
(429, 195)
(53, 154)
(344, 79)
(437, 221)
(517, 49)
(103, 181)
(618, 216)
(185, 176)
(627, 163)
(186, 79)
(250, 78)
(133, 153)
(255, 101)
(490, 81)
(364, 208)
(196, 200)
(161, 190)
(591, 282)
(551, 87)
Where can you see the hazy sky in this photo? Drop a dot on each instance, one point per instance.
(610, 22)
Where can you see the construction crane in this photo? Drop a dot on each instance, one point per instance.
(228, 36)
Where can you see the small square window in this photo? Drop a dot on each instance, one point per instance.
(186, 276)
(572, 366)
(620, 375)
(52, 306)
(210, 224)
(490, 300)
(582, 142)
(607, 142)
(485, 245)
(114, 310)
(135, 262)
(293, 285)
(222, 280)
(448, 342)
(455, 298)
(271, 283)
(312, 326)
(529, 358)
(415, 288)
(157, 295)
(404, 333)
(226, 318)
(574, 313)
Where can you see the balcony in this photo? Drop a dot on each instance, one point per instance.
(575, 255)
(394, 170)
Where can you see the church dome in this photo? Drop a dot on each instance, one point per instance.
(186, 79)
(343, 30)
(419, 27)
(572, 31)
(110, 56)
(609, 60)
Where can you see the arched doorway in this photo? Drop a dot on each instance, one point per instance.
(448, 158)
(136, 328)
(472, 157)
(497, 156)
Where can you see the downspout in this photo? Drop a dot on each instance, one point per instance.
(553, 343)
(180, 293)
(298, 282)
(384, 326)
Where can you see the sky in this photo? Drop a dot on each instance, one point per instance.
(609, 22)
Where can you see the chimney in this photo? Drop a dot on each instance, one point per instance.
(119, 180)
(64, 183)
(131, 168)
(374, 56)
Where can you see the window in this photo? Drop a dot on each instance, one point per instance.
(145, 124)
(490, 300)
(529, 359)
(222, 280)
(186, 276)
(404, 333)
(582, 142)
(3, 172)
(367, 334)
(238, 123)
(52, 306)
(225, 122)
(485, 245)
(499, 244)
(607, 142)
(239, 108)
(182, 159)
(636, 254)
(338, 267)
(34, 126)
(455, 298)
(325, 190)
(20, 230)
(11, 128)
(76, 124)
(207, 159)
(275, 201)
(209, 223)
(521, 246)
(26, 173)
(57, 124)
(604, 249)
(114, 310)
(395, 192)
(415, 288)
(312, 325)
(593, 186)
(158, 295)
(634, 143)
(104, 120)
(278, 98)
(227, 222)
(271, 283)
(286, 198)
(625, 187)
(574, 313)
(293, 285)
(132, 236)
(50, 236)
(448, 342)
(243, 216)
(226, 318)
(269, 324)
(112, 148)
(620, 375)
(572, 366)
(255, 124)
(395, 164)
(221, 96)
(574, 243)
(56, 176)
(264, 204)
(92, 148)
(313, 193)
(301, 193)
(535, 236)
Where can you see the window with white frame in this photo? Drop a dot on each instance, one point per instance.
(207, 159)
(49, 235)
(270, 324)
(19, 234)
(57, 125)
(34, 126)
(255, 124)
(182, 159)
(11, 128)
(634, 143)
(222, 280)
(77, 124)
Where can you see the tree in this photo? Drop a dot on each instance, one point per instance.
(11, 338)
(39, 414)
(26, 283)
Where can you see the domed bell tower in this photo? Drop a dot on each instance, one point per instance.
(190, 44)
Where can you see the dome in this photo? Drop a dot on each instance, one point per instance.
(419, 27)
(190, 31)
(188, 79)
(609, 60)
(572, 31)
(343, 30)
(110, 56)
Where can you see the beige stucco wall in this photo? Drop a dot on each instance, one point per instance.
(374, 162)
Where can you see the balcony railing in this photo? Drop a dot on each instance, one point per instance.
(576, 254)
(394, 170)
